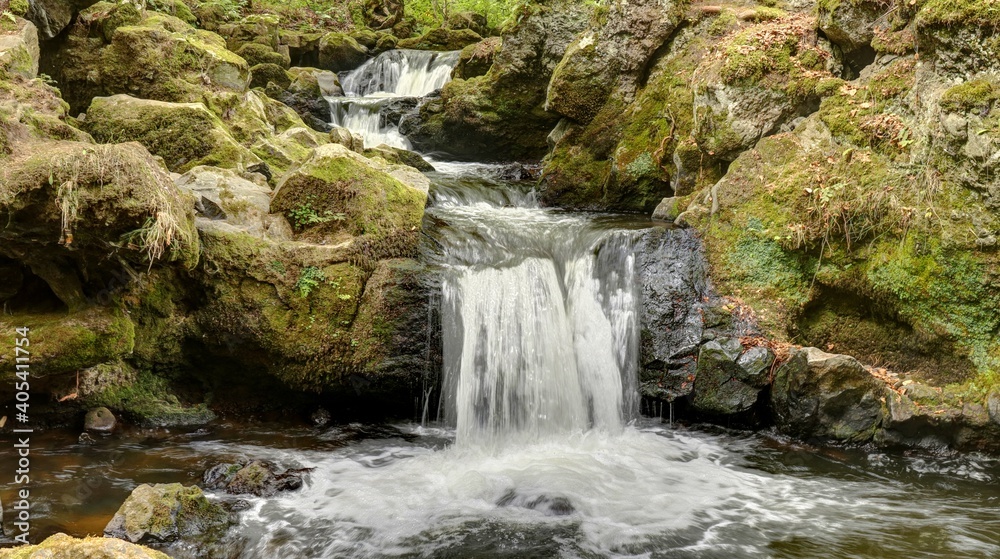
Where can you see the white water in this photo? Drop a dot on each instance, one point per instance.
(539, 320)
(389, 76)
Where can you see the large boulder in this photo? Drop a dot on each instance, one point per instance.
(476, 59)
(611, 58)
(70, 205)
(307, 95)
(850, 25)
(51, 16)
(728, 380)
(185, 135)
(339, 52)
(501, 115)
(166, 513)
(959, 36)
(339, 194)
(61, 546)
(19, 49)
(115, 49)
(827, 396)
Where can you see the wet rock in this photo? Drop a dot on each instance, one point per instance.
(721, 386)
(320, 417)
(85, 439)
(339, 52)
(100, 419)
(550, 506)
(673, 276)
(253, 478)
(756, 364)
(400, 156)
(61, 546)
(166, 513)
(668, 209)
(259, 478)
(827, 396)
(520, 172)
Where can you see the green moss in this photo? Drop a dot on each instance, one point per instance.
(979, 95)
(748, 57)
(61, 545)
(19, 7)
(723, 22)
(973, 13)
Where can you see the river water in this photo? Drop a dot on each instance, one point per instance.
(537, 450)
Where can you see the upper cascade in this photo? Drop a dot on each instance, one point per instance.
(401, 73)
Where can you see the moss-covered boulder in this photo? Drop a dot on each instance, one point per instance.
(76, 213)
(339, 52)
(501, 115)
(176, 8)
(264, 74)
(157, 57)
(340, 193)
(441, 38)
(19, 49)
(185, 135)
(469, 20)
(477, 59)
(612, 57)
(728, 380)
(959, 35)
(850, 24)
(256, 53)
(61, 546)
(826, 396)
(255, 28)
(165, 513)
(67, 343)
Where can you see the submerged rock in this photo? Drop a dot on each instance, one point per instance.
(166, 513)
(61, 546)
(253, 478)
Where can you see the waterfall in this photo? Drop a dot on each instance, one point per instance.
(539, 318)
(372, 90)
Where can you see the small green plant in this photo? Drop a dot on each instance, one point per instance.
(309, 280)
(306, 215)
(277, 266)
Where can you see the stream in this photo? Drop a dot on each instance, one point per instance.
(537, 449)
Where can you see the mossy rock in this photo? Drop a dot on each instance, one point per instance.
(175, 8)
(366, 37)
(441, 39)
(103, 18)
(185, 135)
(147, 400)
(339, 52)
(61, 546)
(66, 343)
(165, 513)
(159, 57)
(469, 20)
(256, 53)
(386, 41)
(339, 192)
(477, 59)
(255, 28)
(959, 34)
(69, 205)
(263, 74)
(19, 52)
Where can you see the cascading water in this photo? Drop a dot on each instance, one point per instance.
(372, 89)
(539, 317)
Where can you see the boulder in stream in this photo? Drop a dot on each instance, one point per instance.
(62, 546)
(252, 478)
(166, 513)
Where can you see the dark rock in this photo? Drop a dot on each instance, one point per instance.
(550, 506)
(50, 16)
(756, 364)
(100, 419)
(827, 396)
(168, 512)
(673, 275)
(520, 172)
(850, 25)
(320, 417)
(718, 388)
(85, 439)
(400, 156)
(254, 478)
